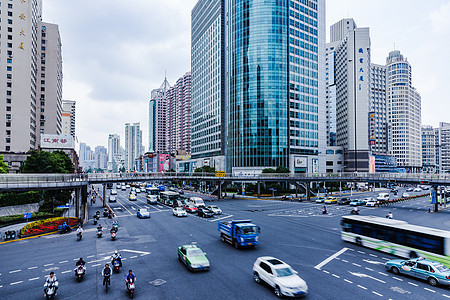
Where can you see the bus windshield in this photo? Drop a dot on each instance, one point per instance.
(154, 192)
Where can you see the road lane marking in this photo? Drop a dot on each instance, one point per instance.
(397, 278)
(124, 207)
(31, 268)
(385, 258)
(362, 275)
(335, 275)
(96, 265)
(369, 269)
(356, 265)
(15, 271)
(384, 274)
(134, 256)
(429, 290)
(326, 272)
(135, 251)
(64, 272)
(221, 218)
(48, 265)
(323, 263)
(373, 255)
(90, 256)
(363, 287)
(17, 282)
(345, 260)
(124, 258)
(346, 280)
(35, 278)
(75, 259)
(362, 252)
(378, 294)
(412, 284)
(63, 261)
(442, 295)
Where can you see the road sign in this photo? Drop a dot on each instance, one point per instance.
(220, 173)
(27, 215)
(62, 206)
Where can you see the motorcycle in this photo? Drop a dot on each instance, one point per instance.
(116, 227)
(105, 213)
(79, 236)
(95, 219)
(116, 265)
(113, 236)
(64, 229)
(99, 233)
(109, 215)
(79, 272)
(354, 212)
(50, 291)
(130, 288)
(324, 211)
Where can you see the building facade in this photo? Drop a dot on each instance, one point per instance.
(49, 81)
(379, 128)
(404, 113)
(19, 40)
(133, 144)
(100, 158)
(428, 149)
(68, 117)
(442, 135)
(158, 133)
(113, 152)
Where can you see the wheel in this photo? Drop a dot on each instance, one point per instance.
(277, 292)
(222, 238)
(358, 241)
(256, 277)
(106, 286)
(395, 270)
(236, 244)
(179, 258)
(432, 281)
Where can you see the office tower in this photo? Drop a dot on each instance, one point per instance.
(275, 85)
(179, 115)
(352, 73)
(404, 113)
(133, 144)
(208, 118)
(49, 81)
(330, 83)
(113, 152)
(379, 128)
(86, 157)
(100, 158)
(442, 146)
(19, 36)
(428, 149)
(158, 134)
(68, 117)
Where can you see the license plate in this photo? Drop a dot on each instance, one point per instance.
(250, 243)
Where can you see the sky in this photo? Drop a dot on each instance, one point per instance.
(115, 52)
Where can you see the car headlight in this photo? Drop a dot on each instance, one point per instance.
(256, 238)
(195, 265)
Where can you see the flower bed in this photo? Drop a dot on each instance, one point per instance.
(47, 225)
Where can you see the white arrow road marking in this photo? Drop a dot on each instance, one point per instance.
(323, 263)
(366, 276)
(135, 251)
(373, 262)
(400, 290)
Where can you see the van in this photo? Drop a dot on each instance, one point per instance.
(197, 202)
(383, 197)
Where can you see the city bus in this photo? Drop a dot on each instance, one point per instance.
(168, 198)
(153, 194)
(397, 237)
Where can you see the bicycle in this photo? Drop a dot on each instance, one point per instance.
(106, 281)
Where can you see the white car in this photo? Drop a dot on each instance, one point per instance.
(138, 190)
(372, 203)
(124, 188)
(127, 185)
(113, 192)
(405, 195)
(365, 200)
(143, 213)
(179, 212)
(152, 199)
(280, 276)
(215, 209)
(112, 198)
(417, 190)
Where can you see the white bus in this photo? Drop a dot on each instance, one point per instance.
(168, 198)
(153, 194)
(397, 237)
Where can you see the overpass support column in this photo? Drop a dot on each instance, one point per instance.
(259, 188)
(104, 194)
(219, 196)
(308, 187)
(84, 202)
(77, 202)
(436, 205)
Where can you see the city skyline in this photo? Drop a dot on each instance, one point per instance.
(120, 91)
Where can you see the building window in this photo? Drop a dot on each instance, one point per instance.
(9, 13)
(8, 140)
(8, 100)
(329, 163)
(8, 148)
(8, 124)
(9, 21)
(9, 84)
(8, 132)
(8, 108)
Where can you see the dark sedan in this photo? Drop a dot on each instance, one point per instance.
(344, 201)
(204, 212)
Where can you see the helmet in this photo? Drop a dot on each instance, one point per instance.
(115, 252)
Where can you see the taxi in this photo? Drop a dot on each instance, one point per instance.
(433, 272)
(132, 197)
(193, 257)
(331, 200)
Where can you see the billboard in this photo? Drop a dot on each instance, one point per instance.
(371, 164)
(300, 162)
(372, 133)
(315, 165)
(54, 141)
(163, 163)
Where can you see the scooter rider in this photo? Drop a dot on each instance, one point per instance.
(51, 280)
(107, 271)
(116, 256)
(99, 227)
(115, 224)
(80, 262)
(130, 277)
(79, 230)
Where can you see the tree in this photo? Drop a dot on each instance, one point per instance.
(205, 169)
(46, 162)
(281, 169)
(269, 170)
(3, 166)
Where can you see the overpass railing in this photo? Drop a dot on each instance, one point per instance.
(33, 180)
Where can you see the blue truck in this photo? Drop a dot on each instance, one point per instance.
(239, 233)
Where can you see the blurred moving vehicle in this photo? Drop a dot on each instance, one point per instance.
(344, 201)
(190, 208)
(320, 200)
(357, 202)
(197, 201)
(372, 203)
(114, 192)
(193, 257)
(204, 212)
(215, 209)
(280, 276)
(179, 212)
(132, 197)
(143, 213)
(331, 200)
(417, 190)
(112, 198)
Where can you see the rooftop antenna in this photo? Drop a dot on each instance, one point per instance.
(394, 45)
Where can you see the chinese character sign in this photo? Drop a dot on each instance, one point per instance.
(53, 141)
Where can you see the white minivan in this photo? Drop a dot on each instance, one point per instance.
(197, 202)
(383, 197)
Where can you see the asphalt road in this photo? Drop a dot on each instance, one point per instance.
(294, 232)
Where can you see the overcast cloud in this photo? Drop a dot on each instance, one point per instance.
(115, 52)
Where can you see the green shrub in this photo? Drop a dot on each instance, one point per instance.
(14, 198)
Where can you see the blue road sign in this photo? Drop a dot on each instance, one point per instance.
(433, 197)
(27, 216)
(62, 206)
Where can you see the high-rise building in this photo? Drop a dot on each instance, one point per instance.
(49, 81)
(208, 110)
(100, 158)
(133, 144)
(442, 147)
(330, 79)
(68, 117)
(352, 73)
(158, 133)
(19, 39)
(379, 128)
(404, 113)
(113, 152)
(179, 115)
(428, 149)
(86, 157)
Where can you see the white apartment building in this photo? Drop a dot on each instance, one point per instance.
(428, 149)
(158, 133)
(100, 158)
(19, 40)
(133, 144)
(442, 135)
(379, 128)
(49, 81)
(352, 79)
(404, 113)
(113, 152)
(68, 117)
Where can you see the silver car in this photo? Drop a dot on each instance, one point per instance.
(433, 272)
